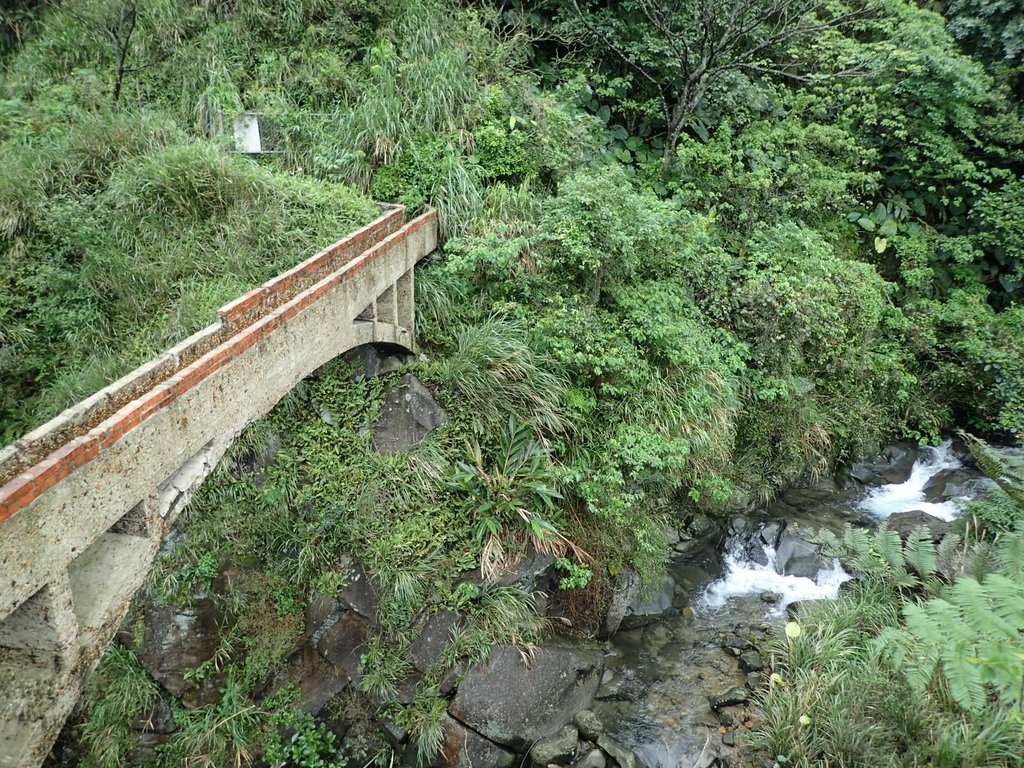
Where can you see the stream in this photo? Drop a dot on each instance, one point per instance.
(654, 698)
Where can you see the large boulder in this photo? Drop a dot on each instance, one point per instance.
(434, 639)
(796, 556)
(461, 747)
(344, 644)
(409, 413)
(650, 605)
(515, 704)
(893, 465)
(953, 482)
(904, 523)
(174, 642)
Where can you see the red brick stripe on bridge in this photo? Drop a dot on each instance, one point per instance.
(315, 277)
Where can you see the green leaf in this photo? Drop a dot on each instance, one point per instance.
(866, 223)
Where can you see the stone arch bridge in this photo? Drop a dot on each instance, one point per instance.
(86, 499)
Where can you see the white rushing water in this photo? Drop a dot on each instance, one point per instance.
(904, 497)
(745, 578)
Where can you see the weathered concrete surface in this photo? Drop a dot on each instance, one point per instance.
(75, 548)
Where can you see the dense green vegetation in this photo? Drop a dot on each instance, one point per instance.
(693, 251)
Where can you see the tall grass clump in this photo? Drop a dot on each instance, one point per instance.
(494, 371)
(117, 693)
(421, 78)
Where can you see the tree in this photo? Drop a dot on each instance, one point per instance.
(682, 49)
(116, 22)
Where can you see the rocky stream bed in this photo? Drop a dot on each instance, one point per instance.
(667, 683)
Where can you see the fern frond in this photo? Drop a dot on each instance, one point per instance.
(1006, 471)
(919, 552)
(1009, 554)
(890, 549)
(963, 677)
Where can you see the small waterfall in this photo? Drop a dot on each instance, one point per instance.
(886, 500)
(746, 577)
(752, 567)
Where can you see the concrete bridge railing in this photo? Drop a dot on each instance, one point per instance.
(86, 499)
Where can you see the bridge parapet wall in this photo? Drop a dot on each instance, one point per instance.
(57, 435)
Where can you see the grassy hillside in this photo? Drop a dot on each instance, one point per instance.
(668, 291)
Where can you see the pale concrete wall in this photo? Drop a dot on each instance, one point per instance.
(73, 550)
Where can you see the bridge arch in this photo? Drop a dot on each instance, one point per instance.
(86, 499)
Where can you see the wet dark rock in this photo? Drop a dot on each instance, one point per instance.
(409, 413)
(344, 643)
(770, 532)
(557, 748)
(735, 644)
(752, 544)
(435, 637)
(729, 698)
(176, 640)
(754, 680)
(625, 591)
(770, 597)
(593, 758)
(698, 533)
(321, 614)
(589, 725)
(376, 360)
(515, 705)
(619, 752)
(701, 525)
(463, 748)
(317, 679)
(394, 733)
(751, 661)
(947, 483)
(529, 571)
(893, 465)
(359, 594)
(158, 718)
(971, 488)
(644, 609)
(904, 523)
(796, 556)
(729, 739)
